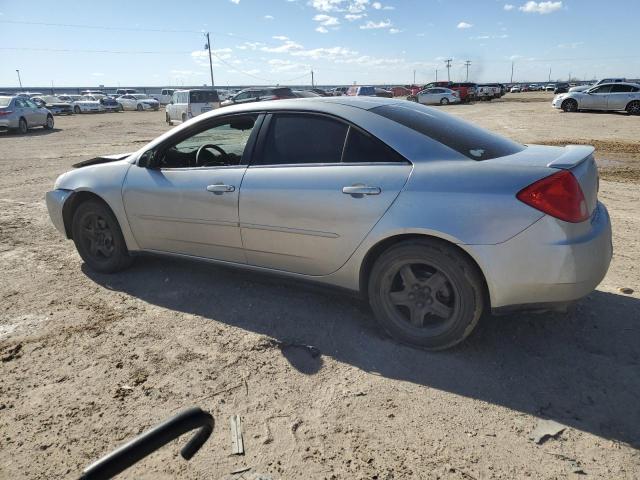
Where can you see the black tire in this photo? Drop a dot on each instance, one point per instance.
(23, 127)
(121, 109)
(98, 238)
(633, 108)
(444, 281)
(77, 110)
(50, 123)
(444, 101)
(570, 105)
(184, 117)
(168, 119)
(139, 108)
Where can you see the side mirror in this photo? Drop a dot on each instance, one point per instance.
(147, 159)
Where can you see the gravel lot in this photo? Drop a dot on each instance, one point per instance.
(90, 360)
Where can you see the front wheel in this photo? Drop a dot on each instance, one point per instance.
(444, 101)
(168, 119)
(22, 126)
(98, 238)
(633, 108)
(426, 293)
(77, 110)
(139, 108)
(49, 124)
(570, 105)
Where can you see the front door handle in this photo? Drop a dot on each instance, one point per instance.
(220, 188)
(361, 190)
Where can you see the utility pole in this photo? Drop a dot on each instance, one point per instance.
(19, 80)
(448, 62)
(312, 77)
(512, 72)
(208, 47)
(436, 74)
(466, 64)
(414, 77)
(549, 74)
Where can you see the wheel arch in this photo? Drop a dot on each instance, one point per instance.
(73, 202)
(631, 103)
(383, 245)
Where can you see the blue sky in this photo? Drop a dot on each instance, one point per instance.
(344, 41)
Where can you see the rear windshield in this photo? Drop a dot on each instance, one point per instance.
(5, 101)
(471, 141)
(203, 96)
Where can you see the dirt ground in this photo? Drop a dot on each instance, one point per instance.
(89, 360)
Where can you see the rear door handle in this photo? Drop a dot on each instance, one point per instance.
(361, 190)
(220, 188)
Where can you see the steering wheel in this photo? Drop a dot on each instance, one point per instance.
(207, 146)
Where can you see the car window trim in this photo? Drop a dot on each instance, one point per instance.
(260, 144)
(201, 127)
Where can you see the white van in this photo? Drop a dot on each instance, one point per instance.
(186, 104)
(165, 95)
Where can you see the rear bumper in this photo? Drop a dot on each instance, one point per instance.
(7, 123)
(550, 262)
(55, 202)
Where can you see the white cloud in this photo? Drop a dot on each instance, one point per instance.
(326, 20)
(331, 53)
(394, 30)
(287, 46)
(541, 7)
(322, 29)
(508, 7)
(464, 25)
(95, 74)
(374, 26)
(354, 16)
(268, 17)
(377, 5)
(282, 38)
(351, 6)
(235, 1)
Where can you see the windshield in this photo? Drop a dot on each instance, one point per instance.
(203, 96)
(139, 96)
(471, 141)
(5, 101)
(51, 99)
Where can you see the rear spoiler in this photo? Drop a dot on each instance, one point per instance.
(573, 155)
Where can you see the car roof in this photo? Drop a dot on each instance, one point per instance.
(618, 83)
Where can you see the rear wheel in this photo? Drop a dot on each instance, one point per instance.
(98, 238)
(49, 124)
(444, 101)
(570, 105)
(121, 108)
(168, 119)
(426, 293)
(633, 108)
(184, 117)
(77, 110)
(139, 107)
(22, 126)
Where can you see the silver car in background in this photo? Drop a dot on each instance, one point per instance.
(430, 218)
(437, 96)
(22, 113)
(607, 96)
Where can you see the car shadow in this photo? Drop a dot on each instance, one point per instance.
(580, 369)
(33, 132)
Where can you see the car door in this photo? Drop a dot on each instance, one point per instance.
(596, 98)
(35, 116)
(620, 96)
(184, 202)
(130, 102)
(316, 188)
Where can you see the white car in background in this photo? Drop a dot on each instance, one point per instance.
(138, 101)
(86, 104)
(186, 104)
(607, 96)
(583, 88)
(164, 97)
(437, 96)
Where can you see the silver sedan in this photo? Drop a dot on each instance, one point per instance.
(437, 96)
(21, 114)
(609, 96)
(432, 219)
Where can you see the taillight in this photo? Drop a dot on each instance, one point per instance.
(5, 112)
(558, 195)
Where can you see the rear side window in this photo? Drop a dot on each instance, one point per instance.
(622, 88)
(467, 139)
(299, 139)
(203, 96)
(363, 148)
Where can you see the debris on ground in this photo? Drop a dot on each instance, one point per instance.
(12, 353)
(546, 429)
(237, 443)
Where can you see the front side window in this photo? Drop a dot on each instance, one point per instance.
(300, 139)
(602, 89)
(218, 146)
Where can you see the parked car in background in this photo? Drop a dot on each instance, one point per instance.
(29, 94)
(362, 199)
(606, 96)
(87, 104)
(54, 105)
(487, 92)
(467, 91)
(21, 114)
(138, 101)
(125, 91)
(437, 96)
(561, 88)
(110, 104)
(361, 91)
(582, 88)
(381, 92)
(321, 92)
(165, 95)
(515, 89)
(400, 91)
(69, 98)
(259, 94)
(186, 104)
(339, 91)
(92, 92)
(305, 94)
(550, 87)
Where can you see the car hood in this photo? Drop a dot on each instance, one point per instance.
(581, 88)
(102, 159)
